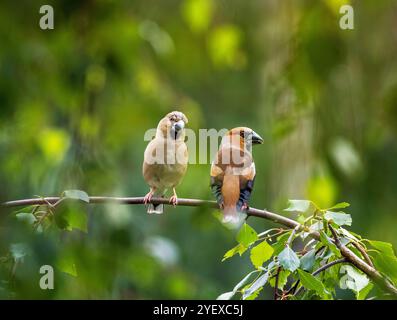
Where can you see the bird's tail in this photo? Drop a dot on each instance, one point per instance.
(155, 208)
(232, 218)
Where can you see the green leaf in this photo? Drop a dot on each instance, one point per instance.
(77, 195)
(362, 294)
(317, 226)
(243, 281)
(279, 245)
(282, 279)
(76, 219)
(384, 247)
(340, 218)
(353, 279)
(259, 283)
(26, 217)
(246, 236)
(384, 259)
(240, 249)
(307, 261)
(67, 264)
(226, 296)
(301, 219)
(230, 294)
(312, 283)
(288, 259)
(340, 205)
(299, 205)
(325, 240)
(261, 253)
(348, 235)
(254, 295)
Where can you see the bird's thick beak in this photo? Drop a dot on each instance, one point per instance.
(256, 138)
(179, 125)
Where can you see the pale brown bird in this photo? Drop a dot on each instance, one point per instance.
(165, 159)
(233, 173)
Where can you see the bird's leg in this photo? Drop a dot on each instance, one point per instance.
(148, 196)
(174, 198)
(244, 207)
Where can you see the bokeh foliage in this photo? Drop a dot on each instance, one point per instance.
(75, 103)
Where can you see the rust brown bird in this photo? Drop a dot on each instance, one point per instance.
(165, 159)
(233, 173)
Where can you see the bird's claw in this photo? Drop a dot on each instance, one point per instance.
(244, 207)
(174, 200)
(148, 198)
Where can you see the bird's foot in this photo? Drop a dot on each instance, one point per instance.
(148, 197)
(174, 200)
(244, 207)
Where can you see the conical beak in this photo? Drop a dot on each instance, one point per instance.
(179, 125)
(256, 138)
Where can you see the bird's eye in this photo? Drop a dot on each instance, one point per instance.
(242, 134)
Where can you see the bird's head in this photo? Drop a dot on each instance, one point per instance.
(243, 136)
(172, 125)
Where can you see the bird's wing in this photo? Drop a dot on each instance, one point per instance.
(216, 182)
(247, 179)
(230, 178)
(151, 170)
(164, 167)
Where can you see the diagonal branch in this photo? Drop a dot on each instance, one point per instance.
(264, 214)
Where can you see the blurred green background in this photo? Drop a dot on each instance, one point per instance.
(76, 101)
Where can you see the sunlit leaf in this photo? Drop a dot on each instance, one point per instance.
(261, 253)
(340, 218)
(246, 235)
(254, 295)
(340, 205)
(66, 264)
(240, 249)
(282, 279)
